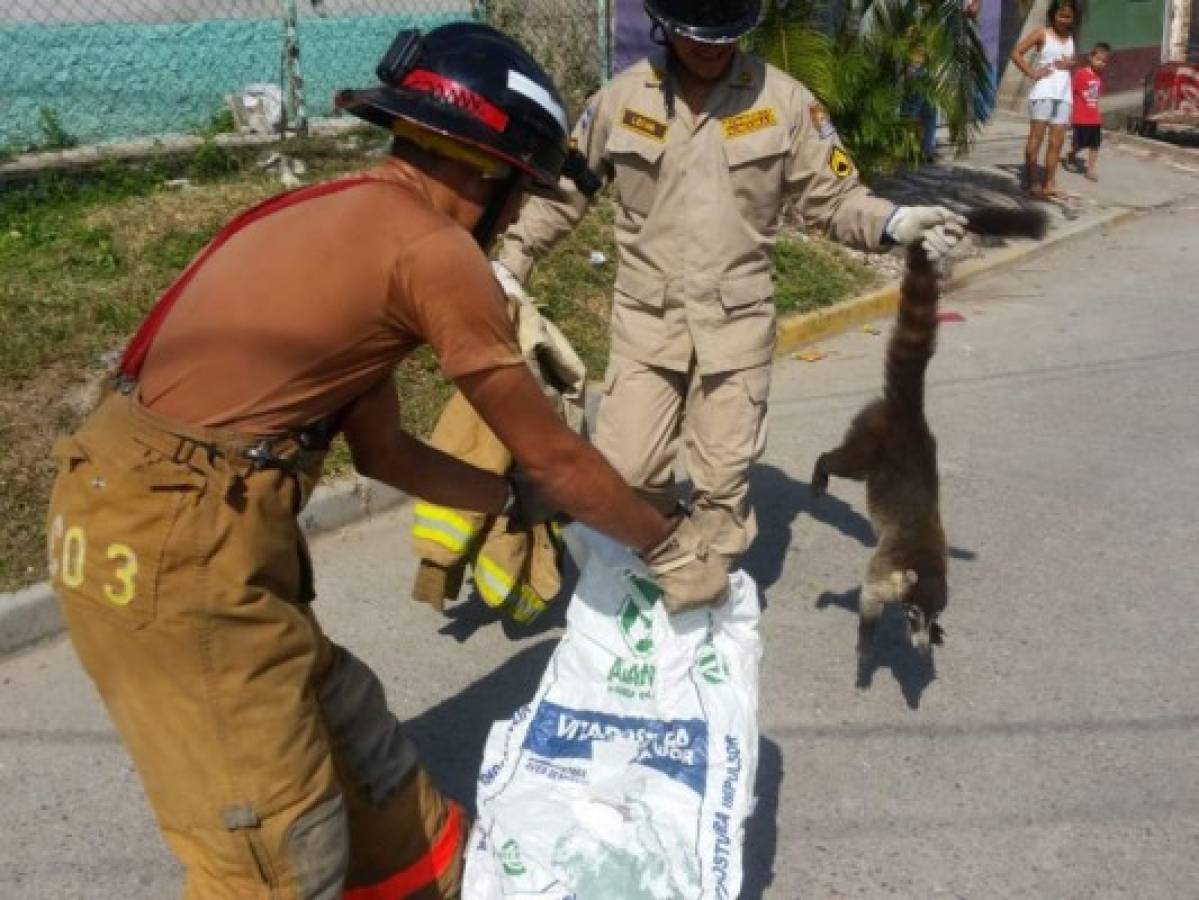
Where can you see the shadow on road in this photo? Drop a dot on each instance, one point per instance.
(451, 735)
(761, 831)
(892, 649)
(778, 500)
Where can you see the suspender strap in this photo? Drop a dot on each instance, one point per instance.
(139, 347)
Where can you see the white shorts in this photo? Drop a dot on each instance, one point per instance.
(1055, 112)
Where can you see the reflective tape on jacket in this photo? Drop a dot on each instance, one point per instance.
(499, 590)
(443, 526)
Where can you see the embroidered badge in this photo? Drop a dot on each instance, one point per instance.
(820, 120)
(840, 163)
(643, 125)
(749, 122)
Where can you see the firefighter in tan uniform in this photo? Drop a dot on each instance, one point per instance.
(703, 144)
(268, 753)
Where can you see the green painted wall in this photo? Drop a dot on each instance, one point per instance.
(1123, 23)
(111, 81)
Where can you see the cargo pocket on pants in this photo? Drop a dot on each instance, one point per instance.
(110, 523)
(757, 387)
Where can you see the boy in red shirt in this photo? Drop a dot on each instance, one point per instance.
(1088, 130)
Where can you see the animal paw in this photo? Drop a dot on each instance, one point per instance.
(819, 484)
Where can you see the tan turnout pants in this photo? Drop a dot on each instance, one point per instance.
(273, 765)
(721, 420)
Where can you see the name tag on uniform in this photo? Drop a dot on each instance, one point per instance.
(749, 122)
(643, 125)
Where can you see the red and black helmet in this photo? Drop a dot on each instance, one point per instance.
(709, 21)
(474, 85)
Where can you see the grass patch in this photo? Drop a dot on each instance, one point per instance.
(576, 294)
(812, 274)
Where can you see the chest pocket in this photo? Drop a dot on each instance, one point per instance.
(755, 162)
(636, 163)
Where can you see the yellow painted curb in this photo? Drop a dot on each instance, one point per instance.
(806, 328)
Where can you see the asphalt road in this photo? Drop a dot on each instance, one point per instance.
(1052, 753)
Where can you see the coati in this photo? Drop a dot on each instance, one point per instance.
(890, 446)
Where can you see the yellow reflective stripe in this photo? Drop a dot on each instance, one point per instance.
(494, 583)
(438, 537)
(442, 526)
(496, 587)
(529, 606)
(444, 514)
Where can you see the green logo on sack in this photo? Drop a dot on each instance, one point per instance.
(632, 674)
(510, 859)
(711, 666)
(635, 622)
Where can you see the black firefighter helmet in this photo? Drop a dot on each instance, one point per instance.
(709, 21)
(478, 88)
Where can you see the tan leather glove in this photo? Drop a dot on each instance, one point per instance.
(690, 575)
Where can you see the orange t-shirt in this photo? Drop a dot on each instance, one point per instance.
(304, 310)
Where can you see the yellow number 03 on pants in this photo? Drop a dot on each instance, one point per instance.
(68, 552)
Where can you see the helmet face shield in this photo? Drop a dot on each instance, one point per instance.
(706, 21)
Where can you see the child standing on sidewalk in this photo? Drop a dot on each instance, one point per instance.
(1088, 124)
(1049, 100)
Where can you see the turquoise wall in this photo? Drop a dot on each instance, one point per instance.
(113, 81)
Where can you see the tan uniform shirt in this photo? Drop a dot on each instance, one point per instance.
(698, 202)
(301, 312)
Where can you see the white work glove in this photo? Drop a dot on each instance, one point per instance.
(509, 282)
(937, 228)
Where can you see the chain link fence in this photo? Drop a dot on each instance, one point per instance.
(84, 71)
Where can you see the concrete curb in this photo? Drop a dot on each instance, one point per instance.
(31, 615)
(91, 155)
(807, 328)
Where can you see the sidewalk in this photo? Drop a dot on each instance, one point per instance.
(1135, 175)
(991, 173)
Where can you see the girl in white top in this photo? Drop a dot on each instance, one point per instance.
(1049, 100)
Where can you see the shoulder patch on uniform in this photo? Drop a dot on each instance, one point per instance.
(749, 122)
(644, 125)
(820, 120)
(840, 163)
(744, 78)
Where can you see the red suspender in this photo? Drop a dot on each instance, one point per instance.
(139, 347)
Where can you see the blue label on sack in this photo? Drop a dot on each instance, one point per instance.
(678, 748)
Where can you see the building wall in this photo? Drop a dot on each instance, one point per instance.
(1134, 29)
